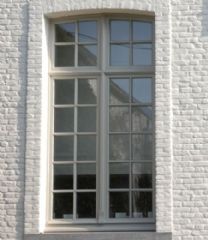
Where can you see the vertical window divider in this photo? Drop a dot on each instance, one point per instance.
(52, 143)
(76, 45)
(130, 43)
(130, 149)
(103, 131)
(75, 149)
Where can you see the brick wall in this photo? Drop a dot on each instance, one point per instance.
(13, 72)
(190, 128)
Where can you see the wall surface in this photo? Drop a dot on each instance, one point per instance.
(181, 104)
(190, 119)
(13, 81)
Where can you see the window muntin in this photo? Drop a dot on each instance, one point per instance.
(128, 196)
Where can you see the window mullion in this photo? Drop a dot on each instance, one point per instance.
(103, 128)
(75, 151)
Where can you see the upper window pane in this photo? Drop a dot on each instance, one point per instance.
(87, 31)
(65, 32)
(64, 56)
(142, 54)
(119, 30)
(119, 54)
(142, 31)
(87, 55)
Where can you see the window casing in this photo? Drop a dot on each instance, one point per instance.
(102, 122)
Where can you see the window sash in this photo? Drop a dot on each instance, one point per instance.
(103, 71)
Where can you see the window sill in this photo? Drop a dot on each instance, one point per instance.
(101, 236)
(108, 227)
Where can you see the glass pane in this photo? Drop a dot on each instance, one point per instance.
(63, 148)
(119, 91)
(86, 205)
(119, 205)
(119, 147)
(87, 119)
(64, 56)
(119, 54)
(87, 91)
(119, 175)
(119, 119)
(63, 176)
(86, 176)
(65, 32)
(142, 90)
(142, 147)
(87, 55)
(64, 91)
(119, 30)
(64, 120)
(86, 148)
(142, 31)
(141, 175)
(63, 205)
(87, 31)
(142, 54)
(142, 204)
(141, 119)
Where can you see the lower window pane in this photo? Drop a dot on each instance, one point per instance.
(142, 175)
(63, 148)
(86, 176)
(119, 119)
(64, 120)
(119, 147)
(86, 205)
(142, 205)
(141, 119)
(63, 176)
(86, 119)
(119, 175)
(63, 205)
(119, 205)
(142, 147)
(86, 147)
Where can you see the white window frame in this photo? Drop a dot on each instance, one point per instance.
(102, 72)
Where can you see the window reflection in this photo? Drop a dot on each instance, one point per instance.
(119, 90)
(63, 205)
(119, 205)
(65, 32)
(142, 90)
(142, 204)
(87, 31)
(87, 55)
(86, 205)
(119, 175)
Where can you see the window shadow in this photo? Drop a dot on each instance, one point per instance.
(20, 81)
(205, 19)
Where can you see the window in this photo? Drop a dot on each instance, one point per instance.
(102, 138)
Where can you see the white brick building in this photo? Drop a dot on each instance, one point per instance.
(179, 48)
